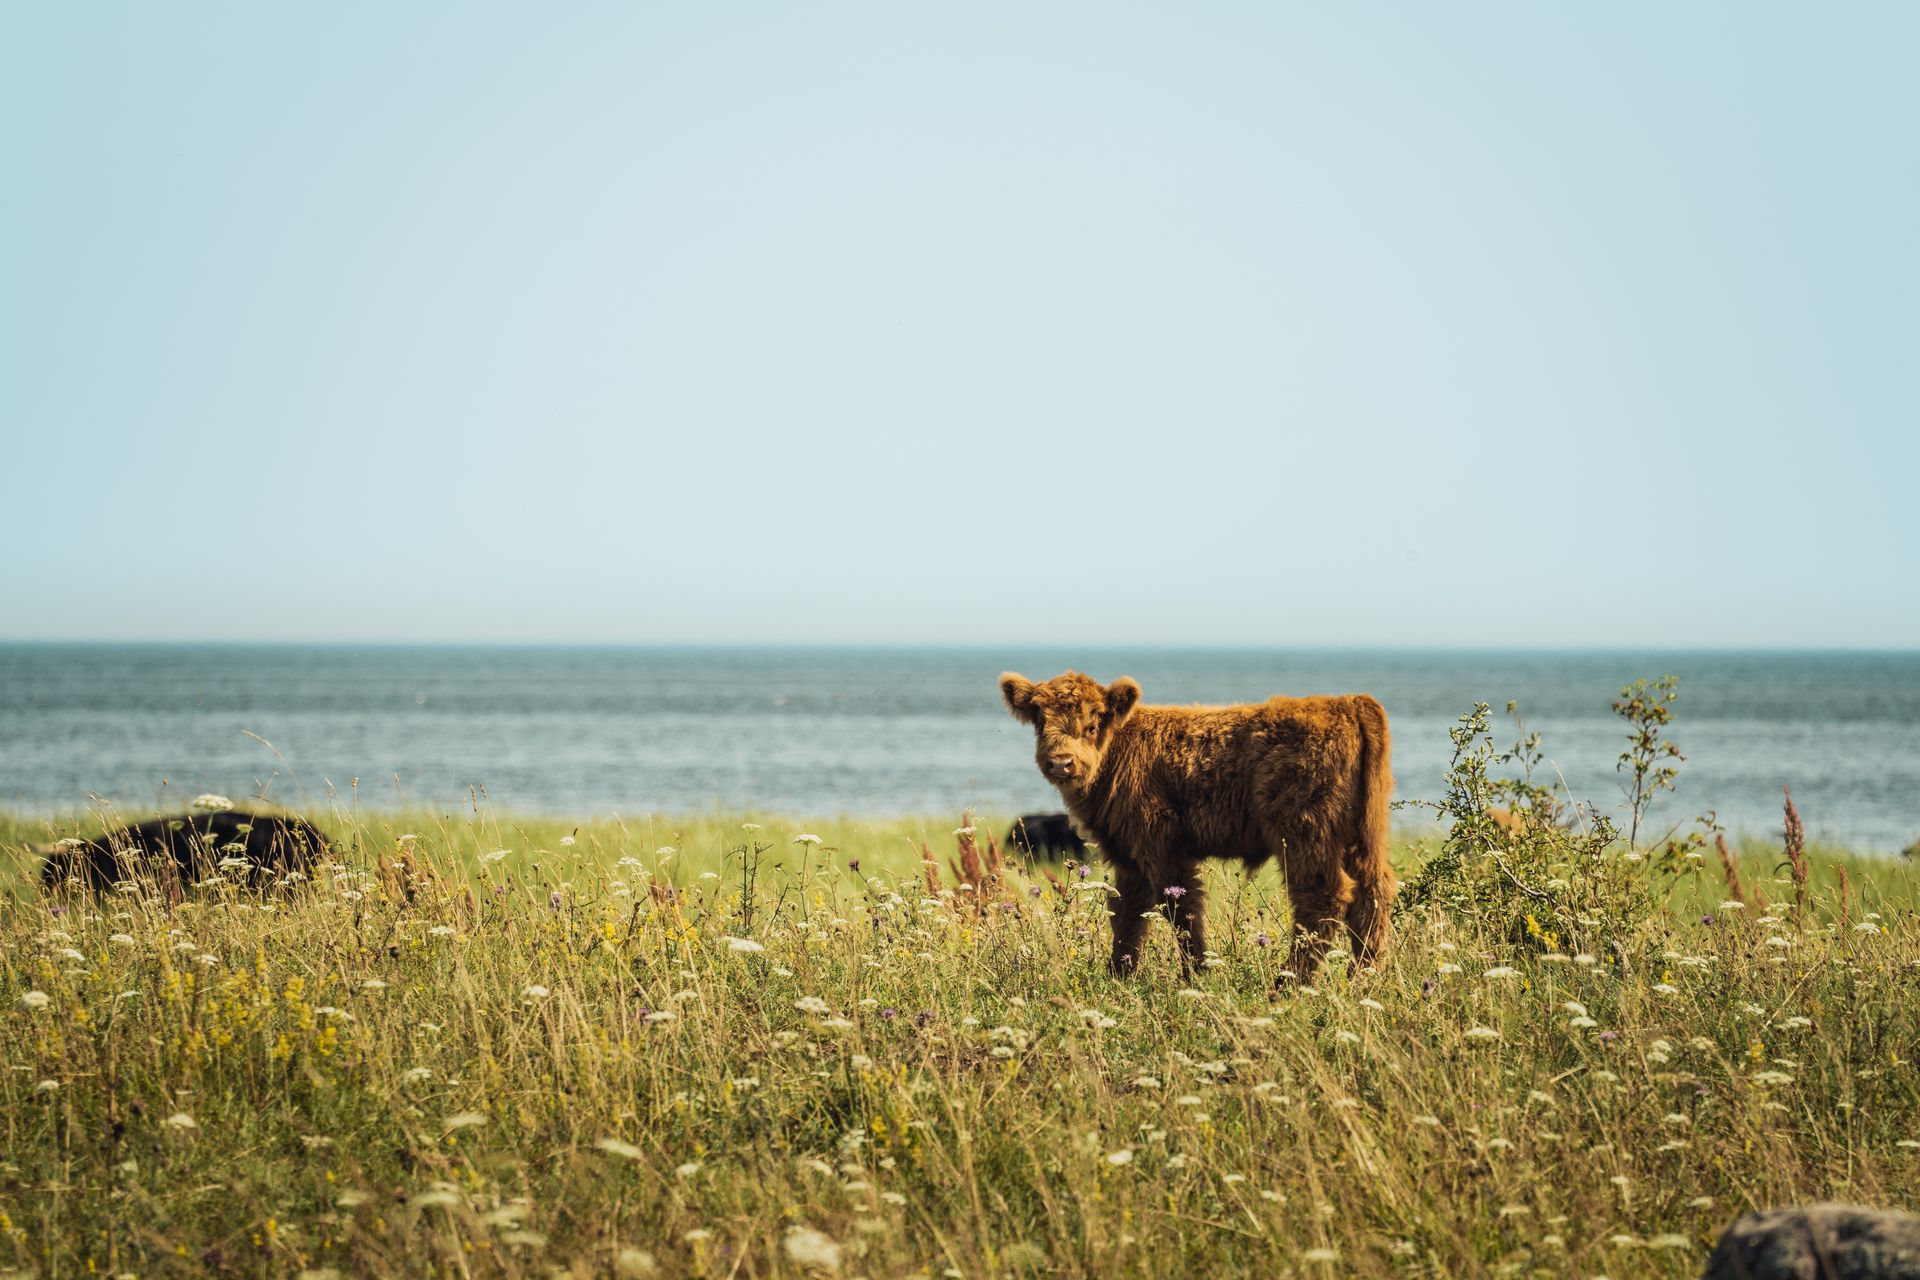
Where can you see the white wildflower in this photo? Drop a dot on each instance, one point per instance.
(807, 1247)
(746, 945)
(34, 1000)
(1120, 1157)
(209, 801)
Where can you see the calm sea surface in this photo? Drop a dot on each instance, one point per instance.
(815, 732)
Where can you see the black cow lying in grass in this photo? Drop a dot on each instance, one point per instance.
(180, 851)
(1045, 835)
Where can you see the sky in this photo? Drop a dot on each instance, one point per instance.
(1212, 324)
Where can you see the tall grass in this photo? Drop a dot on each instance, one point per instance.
(504, 1048)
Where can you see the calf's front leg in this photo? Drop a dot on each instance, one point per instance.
(1129, 910)
(1190, 917)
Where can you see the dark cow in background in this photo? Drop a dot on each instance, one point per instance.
(181, 850)
(1045, 835)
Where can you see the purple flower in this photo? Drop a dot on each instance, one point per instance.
(1262, 940)
(853, 864)
(923, 1018)
(644, 1011)
(1174, 891)
(1033, 891)
(499, 889)
(889, 1014)
(1427, 985)
(1083, 871)
(1608, 1037)
(57, 909)
(1706, 919)
(553, 900)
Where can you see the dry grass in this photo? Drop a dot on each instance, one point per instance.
(430, 1062)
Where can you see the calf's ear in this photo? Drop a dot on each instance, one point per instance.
(1122, 694)
(1018, 691)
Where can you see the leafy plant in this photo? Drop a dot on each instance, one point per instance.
(1647, 707)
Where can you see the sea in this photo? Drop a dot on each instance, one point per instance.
(822, 732)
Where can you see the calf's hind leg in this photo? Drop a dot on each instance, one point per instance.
(1321, 896)
(1368, 917)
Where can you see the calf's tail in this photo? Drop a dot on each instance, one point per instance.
(1369, 914)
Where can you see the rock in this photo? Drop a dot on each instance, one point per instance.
(1819, 1242)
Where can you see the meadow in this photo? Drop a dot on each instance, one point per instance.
(749, 1046)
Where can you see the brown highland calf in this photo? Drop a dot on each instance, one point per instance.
(1304, 780)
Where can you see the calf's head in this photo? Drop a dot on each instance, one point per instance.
(1073, 719)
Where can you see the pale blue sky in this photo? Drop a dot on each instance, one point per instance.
(1208, 323)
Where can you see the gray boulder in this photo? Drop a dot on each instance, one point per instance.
(1819, 1242)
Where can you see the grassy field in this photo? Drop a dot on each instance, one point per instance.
(535, 1047)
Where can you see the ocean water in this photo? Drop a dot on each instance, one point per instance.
(816, 732)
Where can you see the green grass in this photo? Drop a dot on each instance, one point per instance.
(465, 1071)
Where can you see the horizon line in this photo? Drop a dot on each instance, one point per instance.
(1103, 646)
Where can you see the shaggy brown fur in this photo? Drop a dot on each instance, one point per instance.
(1304, 780)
